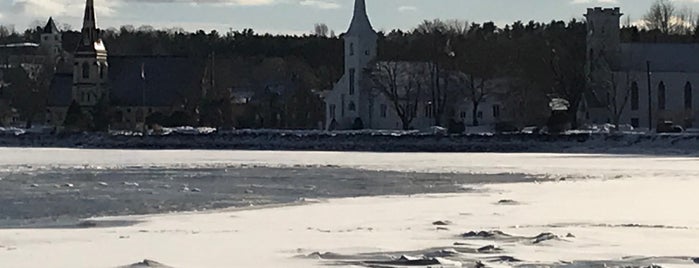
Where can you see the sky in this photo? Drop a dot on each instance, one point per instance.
(299, 16)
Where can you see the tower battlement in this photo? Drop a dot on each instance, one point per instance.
(604, 11)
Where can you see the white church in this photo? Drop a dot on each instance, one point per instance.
(355, 101)
(654, 82)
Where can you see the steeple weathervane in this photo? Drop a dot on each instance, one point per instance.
(360, 20)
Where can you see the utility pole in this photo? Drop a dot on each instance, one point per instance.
(143, 100)
(650, 98)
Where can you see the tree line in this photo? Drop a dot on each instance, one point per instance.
(541, 61)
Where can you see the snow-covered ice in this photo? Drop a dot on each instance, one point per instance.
(613, 207)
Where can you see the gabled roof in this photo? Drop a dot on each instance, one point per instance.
(167, 81)
(662, 57)
(50, 27)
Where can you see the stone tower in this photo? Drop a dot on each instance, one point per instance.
(603, 35)
(360, 50)
(52, 41)
(90, 68)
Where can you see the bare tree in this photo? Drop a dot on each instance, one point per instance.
(613, 90)
(664, 16)
(401, 83)
(476, 92)
(321, 30)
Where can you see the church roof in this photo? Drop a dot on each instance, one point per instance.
(360, 24)
(50, 27)
(662, 57)
(61, 90)
(168, 80)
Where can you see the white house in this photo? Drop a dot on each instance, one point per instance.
(670, 70)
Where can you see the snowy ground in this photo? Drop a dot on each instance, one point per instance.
(619, 211)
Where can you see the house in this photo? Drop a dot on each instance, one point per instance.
(638, 84)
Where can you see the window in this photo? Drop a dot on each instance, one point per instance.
(351, 49)
(352, 106)
(635, 123)
(634, 96)
(480, 115)
(342, 107)
(688, 98)
(384, 110)
(55, 38)
(661, 96)
(366, 52)
(86, 70)
(428, 110)
(46, 38)
(463, 115)
(332, 111)
(352, 73)
(496, 111)
(102, 69)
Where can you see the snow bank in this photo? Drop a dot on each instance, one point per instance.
(429, 140)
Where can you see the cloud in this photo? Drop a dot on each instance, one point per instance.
(321, 4)
(407, 8)
(578, 2)
(46, 8)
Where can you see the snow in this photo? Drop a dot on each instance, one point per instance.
(614, 205)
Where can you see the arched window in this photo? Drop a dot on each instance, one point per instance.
(661, 96)
(352, 106)
(352, 78)
(102, 70)
(688, 96)
(86, 70)
(634, 96)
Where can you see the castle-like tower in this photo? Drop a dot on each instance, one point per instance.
(90, 68)
(349, 100)
(603, 37)
(52, 41)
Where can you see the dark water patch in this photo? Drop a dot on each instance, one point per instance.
(63, 196)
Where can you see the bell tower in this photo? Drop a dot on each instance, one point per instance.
(603, 35)
(360, 50)
(52, 40)
(90, 68)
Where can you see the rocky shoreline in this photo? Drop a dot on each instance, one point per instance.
(371, 141)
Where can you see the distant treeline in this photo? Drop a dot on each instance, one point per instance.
(541, 60)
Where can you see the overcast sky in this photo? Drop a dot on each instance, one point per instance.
(298, 16)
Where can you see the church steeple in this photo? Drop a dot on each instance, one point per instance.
(89, 31)
(90, 67)
(360, 20)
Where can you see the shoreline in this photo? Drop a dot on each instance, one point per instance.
(405, 142)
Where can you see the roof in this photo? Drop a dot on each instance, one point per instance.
(360, 24)
(50, 27)
(61, 90)
(168, 80)
(662, 57)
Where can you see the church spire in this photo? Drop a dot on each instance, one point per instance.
(360, 20)
(89, 31)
